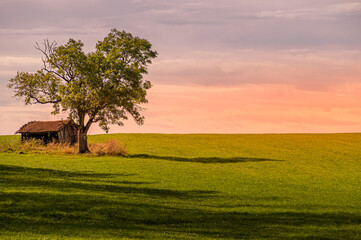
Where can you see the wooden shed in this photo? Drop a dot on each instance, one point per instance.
(63, 131)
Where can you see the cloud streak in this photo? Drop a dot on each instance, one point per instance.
(304, 68)
(345, 9)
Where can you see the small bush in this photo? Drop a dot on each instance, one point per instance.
(112, 148)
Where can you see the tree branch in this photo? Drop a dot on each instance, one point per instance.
(43, 102)
(48, 52)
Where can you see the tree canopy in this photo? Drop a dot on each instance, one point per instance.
(104, 86)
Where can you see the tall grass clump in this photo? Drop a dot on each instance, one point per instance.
(112, 148)
(9, 145)
(62, 148)
(16, 145)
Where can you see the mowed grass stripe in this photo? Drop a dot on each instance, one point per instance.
(195, 186)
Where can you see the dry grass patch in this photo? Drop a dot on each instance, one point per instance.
(62, 148)
(112, 148)
(16, 145)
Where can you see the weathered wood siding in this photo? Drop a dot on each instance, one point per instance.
(68, 134)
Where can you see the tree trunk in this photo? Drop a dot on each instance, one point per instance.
(83, 142)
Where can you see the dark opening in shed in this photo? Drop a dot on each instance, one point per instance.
(63, 131)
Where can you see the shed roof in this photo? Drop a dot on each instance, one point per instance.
(43, 126)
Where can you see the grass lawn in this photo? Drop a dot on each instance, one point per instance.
(286, 186)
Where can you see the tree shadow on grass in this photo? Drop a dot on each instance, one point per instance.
(9, 169)
(89, 216)
(24, 177)
(32, 205)
(204, 159)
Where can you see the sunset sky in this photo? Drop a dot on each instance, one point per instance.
(231, 66)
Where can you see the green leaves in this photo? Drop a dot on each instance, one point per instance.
(39, 87)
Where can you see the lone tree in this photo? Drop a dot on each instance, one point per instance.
(104, 86)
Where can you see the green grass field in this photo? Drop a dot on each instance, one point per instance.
(286, 186)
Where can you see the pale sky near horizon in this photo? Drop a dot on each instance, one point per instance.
(231, 66)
